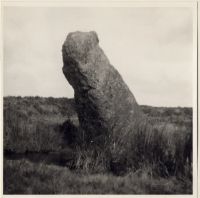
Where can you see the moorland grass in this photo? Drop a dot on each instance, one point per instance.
(155, 157)
(24, 177)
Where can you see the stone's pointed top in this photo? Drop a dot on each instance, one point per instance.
(77, 44)
(83, 36)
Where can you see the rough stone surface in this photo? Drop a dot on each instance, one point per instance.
(104, 103)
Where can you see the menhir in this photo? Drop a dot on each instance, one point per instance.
(105, 105)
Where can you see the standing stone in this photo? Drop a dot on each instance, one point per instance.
(104, 103)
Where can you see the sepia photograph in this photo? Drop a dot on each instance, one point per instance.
(99, 99)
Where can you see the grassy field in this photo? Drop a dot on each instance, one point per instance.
(24, 177)
(44, 152)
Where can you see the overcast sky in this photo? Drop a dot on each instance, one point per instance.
(150, 47)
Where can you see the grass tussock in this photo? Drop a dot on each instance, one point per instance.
(166, 149)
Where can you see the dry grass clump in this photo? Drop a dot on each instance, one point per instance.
(164, 147)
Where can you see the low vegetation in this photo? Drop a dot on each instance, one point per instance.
(24, 177)
(31, 124)
(156, 160)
